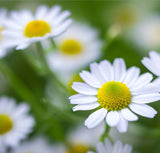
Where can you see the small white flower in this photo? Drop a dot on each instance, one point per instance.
(37, 145)
(147, 33)
(75, 48)
(26, 28)
(116, 93)
(107, 147)
(15, 122)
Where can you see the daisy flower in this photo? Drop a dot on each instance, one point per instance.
(107, 147)
(15, 122)
(74, 50)
(146, 34)
(36, 145)
(28, 28)
(116, 93)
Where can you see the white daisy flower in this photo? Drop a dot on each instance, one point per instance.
(107, 147)
(37, 145)
(74, 50)
(15, 122)
(116, 93)
(28, 28)
(147, 33)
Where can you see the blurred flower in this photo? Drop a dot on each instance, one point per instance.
(83, 138)
(15, 123)
(37, 145)
(153, 64)
(28, 28)
(147, 33)
(115, 92)
(107, 147)
(75, 49)
(5, 43)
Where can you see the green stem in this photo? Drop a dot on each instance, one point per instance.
(106, 133)
(47, 68)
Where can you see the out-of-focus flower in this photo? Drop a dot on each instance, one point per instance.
(15, 122)
(36, 145)
(115, 92)
(153, 64)
(81, 138)
(107, 147)
(27, 28)
(147, 33)
(75, 49)
(5, 43)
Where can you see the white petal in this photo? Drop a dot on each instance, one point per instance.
(131, 76)
(143, 110)
(128, 115)
(142, 80)
(82, 99)
(122, 126)
(118, 146)
(127, 148)
(95, 118)
(84, 88)
(100, 148)
(146, 98)
(107, 70)
(86, 106)
(90, 79)
(119, 67)
(95, 70)
(112, 118)
(108, 145)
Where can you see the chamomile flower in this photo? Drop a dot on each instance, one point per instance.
(15, 122)
(36, 145)
(107, 147)
(116, 93)
(28, 28)
(74, 50)
(146, 34)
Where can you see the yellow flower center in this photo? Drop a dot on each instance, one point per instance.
(114, 96)
(71, 47)
(78, 149)
(0, 33)
(37, 28)
(5, 124)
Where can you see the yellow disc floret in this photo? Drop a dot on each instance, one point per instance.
(71, 47)
(0, 32)
(37, 28)
(5, 124)
(78, 149)
(114, 96)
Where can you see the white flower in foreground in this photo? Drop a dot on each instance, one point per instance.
(116, 93)
(75, 48)
(15, 122)
(147, 33)
(107, 147)
(37, 145)
(28, 28)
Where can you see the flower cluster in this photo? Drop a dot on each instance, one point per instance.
(114, 94)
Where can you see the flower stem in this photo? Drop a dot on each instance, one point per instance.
(106, 133)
